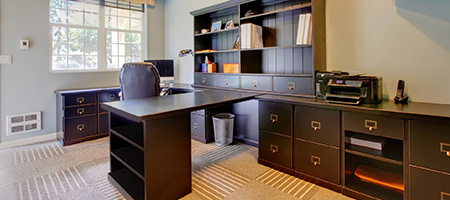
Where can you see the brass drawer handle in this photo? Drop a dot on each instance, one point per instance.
(255, 83)
(80, 99)
(203, 79)
(80, 127)
(445, 148)
(315, 160)
(80, 111)
(112, 96)
(273, 118)
(370, 124)
(315, 125)
(274, 148)
(291, 85)
(195, 125)
(225, 81)
(445, 196)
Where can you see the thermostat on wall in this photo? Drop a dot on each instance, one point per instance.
(24, 44)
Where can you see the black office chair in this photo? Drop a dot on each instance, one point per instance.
(139, 80)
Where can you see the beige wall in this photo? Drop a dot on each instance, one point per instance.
(395, 39)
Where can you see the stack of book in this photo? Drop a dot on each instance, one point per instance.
(304, 33)
(251, 36)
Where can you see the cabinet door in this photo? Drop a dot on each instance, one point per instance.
(79, 99)
(425, 184)
(275, 117)
(293, 85)
(275, 148)
(318, 125)
(430, 145)
(317, 160)
(261, 83)
(374, 124)
(227, 81)
(79, 128)
(203, 79)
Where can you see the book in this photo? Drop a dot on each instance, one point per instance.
(251, 36)
(301, 28)
(308, 28)
(368, 141)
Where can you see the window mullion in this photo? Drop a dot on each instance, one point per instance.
(103, 65)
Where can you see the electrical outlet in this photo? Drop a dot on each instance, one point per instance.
(5, 59)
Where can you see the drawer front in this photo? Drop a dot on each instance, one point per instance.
(275, 117)
(316, 160)
(262, 83)
(109, 96)
(79, 99)
(276, 149)
(203, 79)
(426, 184)
(79, 111)
(198, 126)
(103, 123)
(293, 85)
(430, 145)
(227, 81)
(318, 125)
(374, 124)
(79, 128)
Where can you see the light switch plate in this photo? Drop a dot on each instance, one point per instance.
(5, 59)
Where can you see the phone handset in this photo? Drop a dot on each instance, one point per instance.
(399, 96)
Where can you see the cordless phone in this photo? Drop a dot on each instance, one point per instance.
(399, 97)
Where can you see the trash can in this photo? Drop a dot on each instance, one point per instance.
(223, 128)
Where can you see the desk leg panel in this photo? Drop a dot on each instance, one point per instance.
(167, 144)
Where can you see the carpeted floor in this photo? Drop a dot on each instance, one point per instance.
(50, 171)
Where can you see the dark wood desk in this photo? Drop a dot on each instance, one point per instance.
(150, 142)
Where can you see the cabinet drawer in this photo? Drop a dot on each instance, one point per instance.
(374, 124)
(79, 111)
(262, 83)
(316, 160)
(319, 125)
(108, 96)
(203, 79)
(103, 123)
(430, 145)
(276, 149)
(227, 81)
(294, 85)
(198, 126)
(426, 184)
(79, 99)
(275, 117)
(78, 128)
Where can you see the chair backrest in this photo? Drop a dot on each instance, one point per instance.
(139, 80)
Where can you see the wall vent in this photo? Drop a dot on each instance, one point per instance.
(23, 123)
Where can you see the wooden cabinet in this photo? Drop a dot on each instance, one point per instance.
(317, 125)
(428, 184)
(80, 116)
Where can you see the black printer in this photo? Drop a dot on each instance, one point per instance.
(338, 87)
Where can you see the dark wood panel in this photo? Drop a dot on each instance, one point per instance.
(275, 148)
(426, 184)
(327, 121)
(260, 83)
(80, 111)
(293, 85)
(78, 128)
(80, 99)
(275, 117)
(385, 126)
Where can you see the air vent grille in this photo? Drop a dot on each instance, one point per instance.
(23, 123)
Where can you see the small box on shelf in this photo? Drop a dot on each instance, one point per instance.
(231, 68)
(209, 68)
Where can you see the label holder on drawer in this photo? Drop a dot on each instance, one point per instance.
(273, 118)
(315, 125)
(445, 148)
(274, 148)
(371, 124)
(315, 160)
(445, 196)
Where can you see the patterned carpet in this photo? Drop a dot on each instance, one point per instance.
(50, 171)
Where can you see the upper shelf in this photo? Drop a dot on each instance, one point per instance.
(277, 47)
(220, 31)
(295, 7)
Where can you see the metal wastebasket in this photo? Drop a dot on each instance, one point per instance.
(223, 128)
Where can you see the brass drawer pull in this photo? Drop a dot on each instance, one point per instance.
(291, 85)
(112, 96)
(445, 148)
(80, 99)
(315, 125)
(273, 118)
(370, 124)
(255, 83)
(225, 81)
(315, 160)
(203, 79)
(80, 127)
(274, 148)
(80, 111)
(445, 196)
(195, 125)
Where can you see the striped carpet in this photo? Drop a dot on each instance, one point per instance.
(50, 171)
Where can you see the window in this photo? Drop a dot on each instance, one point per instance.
(79, 31)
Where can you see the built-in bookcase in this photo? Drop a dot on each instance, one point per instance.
(287, 67)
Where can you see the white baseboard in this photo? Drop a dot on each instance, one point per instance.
(26, 141)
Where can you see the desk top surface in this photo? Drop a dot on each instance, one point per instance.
(156, 107)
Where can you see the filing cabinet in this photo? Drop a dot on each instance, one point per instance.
(80, 116)
(260, 83)
(202, 123)
(275, 117)
(318, 125)
(293, 85)
(427, 184)
(276, 149)
(227, 81)
(385, 126)
(204, 79)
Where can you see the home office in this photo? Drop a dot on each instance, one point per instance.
(407, 41)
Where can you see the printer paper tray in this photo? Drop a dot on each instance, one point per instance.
(343, 99)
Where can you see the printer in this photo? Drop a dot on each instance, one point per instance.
(338, 87)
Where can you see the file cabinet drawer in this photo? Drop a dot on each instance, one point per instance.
(391, 127)
(79, 111)
(275, 117)
(316, 160)
(318, 125)
(227, 81)
(79, 99)
(293, 85)
(430, 145)
(78, 128)
(198, 126)
(203, 79)
(261, 83)
(426, 184)
(275, 148)
(108, 96)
